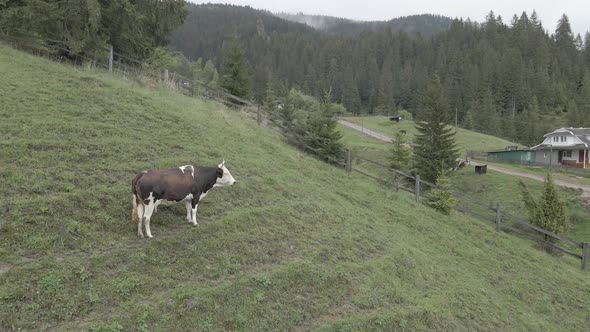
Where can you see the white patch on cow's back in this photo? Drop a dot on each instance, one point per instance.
(182, 168)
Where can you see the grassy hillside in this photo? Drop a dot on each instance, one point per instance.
(466, 139)
(296, 244)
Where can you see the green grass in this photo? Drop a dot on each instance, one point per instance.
(295, 245)
(558, 173)
(490, 189)
(466, 139)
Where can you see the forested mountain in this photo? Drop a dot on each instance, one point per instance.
(425, 24)
(510, 80)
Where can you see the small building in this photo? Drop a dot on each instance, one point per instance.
(512, 156)
(564, 147)
(396, 118)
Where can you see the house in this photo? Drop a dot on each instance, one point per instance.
(564, 147)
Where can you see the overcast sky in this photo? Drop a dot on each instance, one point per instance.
(578, 11)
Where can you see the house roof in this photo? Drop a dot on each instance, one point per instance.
(580, 133)
(573, 131)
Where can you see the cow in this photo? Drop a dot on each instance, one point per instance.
(186, 183)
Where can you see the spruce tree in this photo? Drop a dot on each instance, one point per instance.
(436, 149)
(234, 74)
(548, 211)
(443, 200)
(385, 100)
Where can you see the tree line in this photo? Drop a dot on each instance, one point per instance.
(513, 80)
(134, 28)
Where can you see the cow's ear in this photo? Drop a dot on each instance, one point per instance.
(222, 164)
(219, 172)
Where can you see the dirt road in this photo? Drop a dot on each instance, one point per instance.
(559, 182)
(366, 131)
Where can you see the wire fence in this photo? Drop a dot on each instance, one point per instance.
(107, 60)
(493, 214)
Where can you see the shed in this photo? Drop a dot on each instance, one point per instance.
(512, 156)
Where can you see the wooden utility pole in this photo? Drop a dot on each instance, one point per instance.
(348, 161)
(418, 188)
(111, 59)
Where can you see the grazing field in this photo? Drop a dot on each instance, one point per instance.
(295, 245)
(466, 139)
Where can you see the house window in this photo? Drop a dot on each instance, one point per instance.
(563, 139)
(555, 139)
(545, 155)
(567, 154)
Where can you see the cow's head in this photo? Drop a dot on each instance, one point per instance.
(224, 177)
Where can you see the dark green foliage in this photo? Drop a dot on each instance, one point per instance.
(436, 149)
(443, 200)
(401, 154)
(234, 71)
(491, 70)
(311, 125)
(132, 27)
(400, 158)
(549, 210)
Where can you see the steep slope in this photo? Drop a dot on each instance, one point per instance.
(296, 244)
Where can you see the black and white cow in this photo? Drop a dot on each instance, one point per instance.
(185, 183)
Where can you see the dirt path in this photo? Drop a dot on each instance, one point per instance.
(366, 131)
(559, 182)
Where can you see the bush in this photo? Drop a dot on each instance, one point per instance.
(311, 125)
(443, 200)
(405, 115)
(548, 211)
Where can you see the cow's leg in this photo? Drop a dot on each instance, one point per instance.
(140, 210)
(189, 218)
(149, 210)
(194, 204)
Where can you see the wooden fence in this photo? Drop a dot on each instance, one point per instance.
(117, 63)
(492, 214)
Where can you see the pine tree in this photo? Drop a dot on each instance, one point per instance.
(443, 200)
(401, 156)
(436, 149)
(385, 100)
(547, 212)
(234, 75)
(350, 93)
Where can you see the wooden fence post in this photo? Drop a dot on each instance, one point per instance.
(165, 75)
(584, 255)
(258, 115)
(111, 59)
(498, 218)
(348, 161)
(417, 188)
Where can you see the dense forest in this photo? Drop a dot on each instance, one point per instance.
(134, 28)
(513, 80)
